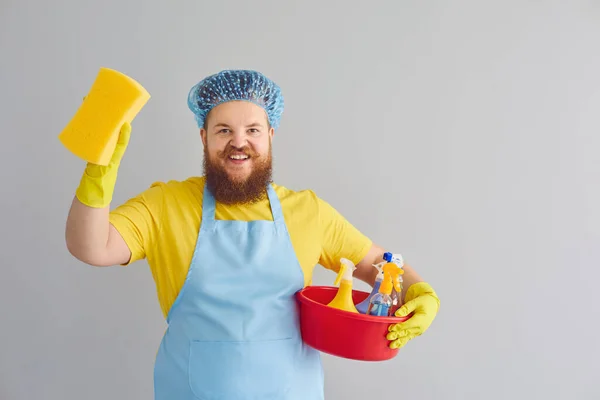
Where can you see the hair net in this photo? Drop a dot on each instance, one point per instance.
(232, 85)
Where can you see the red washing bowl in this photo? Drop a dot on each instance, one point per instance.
(341, 333)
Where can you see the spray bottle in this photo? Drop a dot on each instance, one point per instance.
(343, 298)
(397, 290)
(381, 303)
(364, 305)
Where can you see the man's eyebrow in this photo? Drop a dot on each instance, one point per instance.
(224, 125)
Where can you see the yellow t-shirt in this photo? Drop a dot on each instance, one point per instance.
(162, 223)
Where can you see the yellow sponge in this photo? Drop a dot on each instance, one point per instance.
(93, 132)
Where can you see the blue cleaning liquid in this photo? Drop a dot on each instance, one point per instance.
(363, 306)
(380, 309)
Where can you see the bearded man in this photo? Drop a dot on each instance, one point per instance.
(229, 250)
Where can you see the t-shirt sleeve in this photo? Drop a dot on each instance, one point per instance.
(340, 239)
(138, 220)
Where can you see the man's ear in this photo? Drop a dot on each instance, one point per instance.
(271, 133)
(203, 136)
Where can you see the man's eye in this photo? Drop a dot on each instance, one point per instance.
(224, 130)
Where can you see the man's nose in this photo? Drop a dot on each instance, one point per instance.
(239, 140)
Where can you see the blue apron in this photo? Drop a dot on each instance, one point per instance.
(233, 331)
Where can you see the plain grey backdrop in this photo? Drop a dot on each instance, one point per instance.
(463, 134)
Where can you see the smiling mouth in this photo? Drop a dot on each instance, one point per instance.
(239, 157)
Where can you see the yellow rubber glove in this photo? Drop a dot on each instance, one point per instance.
(422, 301)
(98, 182)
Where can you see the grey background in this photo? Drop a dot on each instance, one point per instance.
(463, 134)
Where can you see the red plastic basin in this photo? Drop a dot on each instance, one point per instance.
(341, 333)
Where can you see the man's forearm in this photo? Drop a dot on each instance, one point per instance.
(409, 278)
(87, 232)
(92, 239)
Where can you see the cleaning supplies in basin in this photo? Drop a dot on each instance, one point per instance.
(381, 303)
(363, 306)
(388, 257)
(343, 298)
(398, 281)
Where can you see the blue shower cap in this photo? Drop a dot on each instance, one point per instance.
(230, 85)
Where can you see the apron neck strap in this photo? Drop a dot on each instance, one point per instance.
(275, 208)
(208, 209)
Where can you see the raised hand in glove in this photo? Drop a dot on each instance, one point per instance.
(422, 301)
(98, 182)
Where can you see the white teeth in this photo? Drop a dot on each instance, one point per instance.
(239, 157)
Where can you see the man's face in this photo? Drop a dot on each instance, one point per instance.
(237, 152)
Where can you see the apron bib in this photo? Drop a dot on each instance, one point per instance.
(233, 331)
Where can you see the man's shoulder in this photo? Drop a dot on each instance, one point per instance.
(176, 190)
(192, 183)
(297, 198)
(289, 193)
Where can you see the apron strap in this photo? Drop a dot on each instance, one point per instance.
(276, 209)
(208, 211)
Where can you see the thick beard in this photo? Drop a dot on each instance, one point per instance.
(228, 191)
